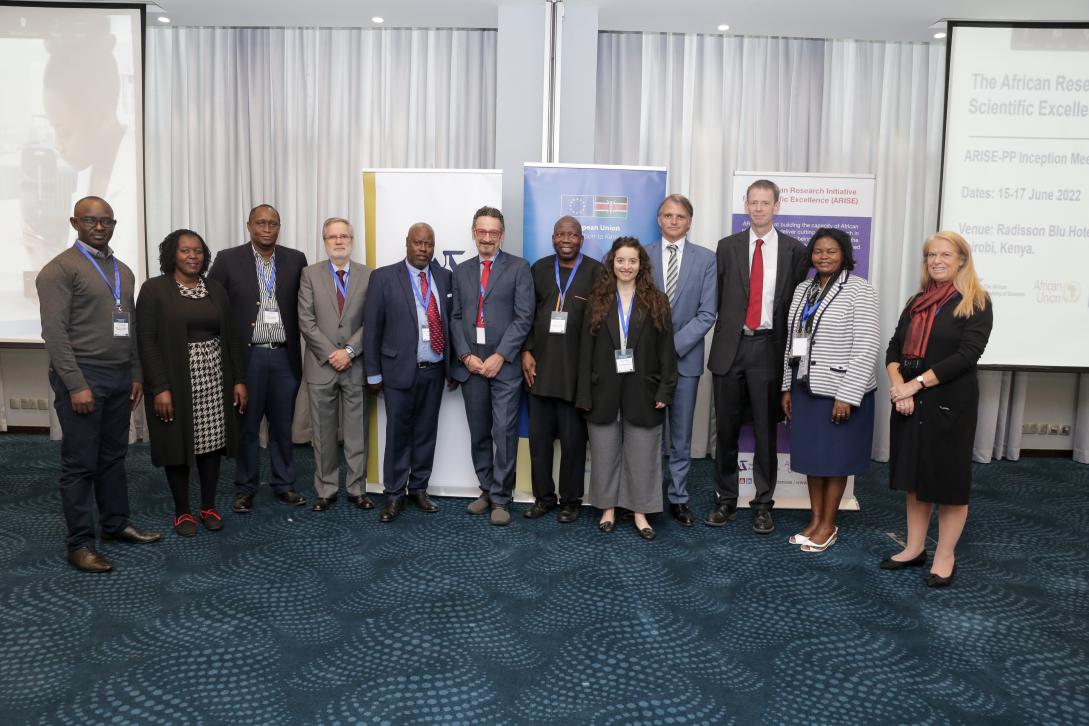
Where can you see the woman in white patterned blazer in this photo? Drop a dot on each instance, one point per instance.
(829, 380)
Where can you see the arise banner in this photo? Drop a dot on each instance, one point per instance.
(807, 202)
(394, 200)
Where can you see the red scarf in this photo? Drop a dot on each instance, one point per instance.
(924, 308)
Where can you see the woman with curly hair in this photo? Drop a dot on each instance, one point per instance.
(627, 377)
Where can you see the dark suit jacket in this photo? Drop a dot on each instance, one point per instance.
(391, 329)
(557, 356)
(164, 355)
(604, 392)
(508, 313)
(733, 297)
(234, 269)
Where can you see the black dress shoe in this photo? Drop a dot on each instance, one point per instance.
(569, 512)
(648, 533)
(292, 497)
(890, 564)
(423, 502)
(361, 500)
(132, 535)
(762, 522)
(243, 503)
(682, 514)
(606, 527)
(933, 580)
(391, 510)
(538, 509)
(322, 504)
(721, 515)
(86, 560)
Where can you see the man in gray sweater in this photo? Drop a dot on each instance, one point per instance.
(88, 324)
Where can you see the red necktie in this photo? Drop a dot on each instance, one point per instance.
(756, 288)
(483, 286)
(434, 322)
(340, 296)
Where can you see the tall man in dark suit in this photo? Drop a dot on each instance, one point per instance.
(406, 350)
(262, 280)
(550, 360)
(88, 325)
(758, 270)
(493, 312)
(331, 295)
(685, 272)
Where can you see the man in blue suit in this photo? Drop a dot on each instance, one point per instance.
(686, 273)
(406, 354)
(493, 313)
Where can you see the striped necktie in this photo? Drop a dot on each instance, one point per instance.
(671, 274)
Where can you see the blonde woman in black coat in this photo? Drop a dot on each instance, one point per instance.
(194, 375)
(931, 362)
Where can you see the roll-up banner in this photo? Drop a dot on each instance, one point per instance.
(807, 202)
(608, 201)
(394, 200)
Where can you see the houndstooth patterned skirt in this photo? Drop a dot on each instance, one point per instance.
(206, 381)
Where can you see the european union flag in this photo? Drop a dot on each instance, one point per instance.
(577, 205)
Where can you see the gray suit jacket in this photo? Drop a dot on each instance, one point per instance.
(324, 327)
(508, 313)
(695, 307)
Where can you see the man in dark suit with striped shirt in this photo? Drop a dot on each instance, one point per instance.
(262, 280)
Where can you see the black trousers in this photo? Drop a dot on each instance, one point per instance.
(93, 451)
(549, 419)
(751, 384)
(412, 427)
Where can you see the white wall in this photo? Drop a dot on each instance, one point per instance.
(23, 375)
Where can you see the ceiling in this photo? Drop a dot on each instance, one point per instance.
(904, 20)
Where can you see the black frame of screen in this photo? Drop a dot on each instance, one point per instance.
(951, 26)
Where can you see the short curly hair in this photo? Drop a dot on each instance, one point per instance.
(168, 251)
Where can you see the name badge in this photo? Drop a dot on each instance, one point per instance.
(480, 336)
(625, 360)
(799, 347)
(120, 324)
(425, 333)
(271, 317)
(558, 323)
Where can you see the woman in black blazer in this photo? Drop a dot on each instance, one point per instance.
(627, 377)
(194, 374)
(931, 362)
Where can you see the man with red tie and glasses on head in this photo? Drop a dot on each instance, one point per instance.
(758, 269)
(406, 355)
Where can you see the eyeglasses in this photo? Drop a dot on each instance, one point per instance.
(337, 237)
(270, 223)
(488, 233)
(92, 222)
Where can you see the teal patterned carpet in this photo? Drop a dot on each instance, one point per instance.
(293, 617)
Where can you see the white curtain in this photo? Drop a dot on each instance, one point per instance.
(290, 117)
(704, 106)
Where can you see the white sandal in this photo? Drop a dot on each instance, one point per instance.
(799, 539)
(813, 547)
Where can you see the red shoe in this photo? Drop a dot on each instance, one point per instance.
(212, 521)
(185, 525)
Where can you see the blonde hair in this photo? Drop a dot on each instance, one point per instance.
(973, 296)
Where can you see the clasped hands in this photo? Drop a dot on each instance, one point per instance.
(488, 368)
(903, 396)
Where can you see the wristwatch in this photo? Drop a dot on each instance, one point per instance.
(922, 383)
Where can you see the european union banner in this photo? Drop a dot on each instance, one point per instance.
(609, 202)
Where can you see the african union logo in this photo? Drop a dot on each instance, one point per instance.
(593, 205)
(1072, 292)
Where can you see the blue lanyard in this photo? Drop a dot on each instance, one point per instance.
(115, 290)
(807, 309)
(625, 322)
(563, 290)
(416, 289)
(341, 287)
(269, 282)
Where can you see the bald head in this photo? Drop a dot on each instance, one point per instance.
(567, 240)
(92, 219)
(420, 245)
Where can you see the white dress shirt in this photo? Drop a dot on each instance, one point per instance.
(770, 253)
